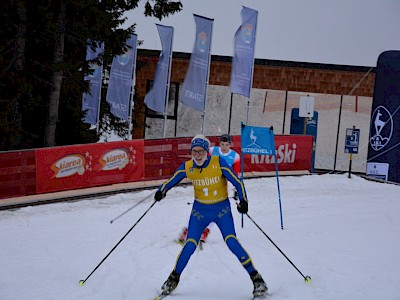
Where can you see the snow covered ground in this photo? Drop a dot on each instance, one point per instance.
(342, 232)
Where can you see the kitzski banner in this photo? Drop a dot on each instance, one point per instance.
(121, 81)
(243, 58)
(156, 97)
(194, 89)
(91, 100)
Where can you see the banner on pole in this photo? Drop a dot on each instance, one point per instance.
(121, 79)
(91, 100)
(243, 57)
(156, 97)
(194, 88)
(384, 138)
(257, 140)
(260, 140)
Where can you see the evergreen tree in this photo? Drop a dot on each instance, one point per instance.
(43, 64)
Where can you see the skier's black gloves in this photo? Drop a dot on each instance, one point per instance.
(242, 207)
(159, 195)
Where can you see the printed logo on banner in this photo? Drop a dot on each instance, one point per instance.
(69, 165)
(95, 70)
(253, 139)
(114, 159)
(381, 128)
(378, 170)
(123, 59)
(202, 42)
(247, 32)
(256, 140)
(118, 159)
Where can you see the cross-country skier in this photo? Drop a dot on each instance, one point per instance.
(209, 175)
(233, 159)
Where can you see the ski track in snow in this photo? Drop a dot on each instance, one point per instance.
(342, 232)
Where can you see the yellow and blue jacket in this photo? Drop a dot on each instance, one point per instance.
(209, 180)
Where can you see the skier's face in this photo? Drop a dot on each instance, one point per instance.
(199, 155)
(225, 146)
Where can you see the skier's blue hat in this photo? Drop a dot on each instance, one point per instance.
(200, 142)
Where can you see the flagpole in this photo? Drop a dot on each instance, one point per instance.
(168, 85)
(98, 107)
(230, 115)
(132, 94)
(208, 77)
(98, 104)
(272, 142)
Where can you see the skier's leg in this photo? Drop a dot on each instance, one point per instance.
(197, 223)
(225, 223)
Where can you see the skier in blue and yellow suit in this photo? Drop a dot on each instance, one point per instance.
(208, 175)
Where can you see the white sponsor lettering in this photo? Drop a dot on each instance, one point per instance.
(114, 159)
(206, 181)
(69, 165)
(284, 154)
(194, 96)
(119, 106)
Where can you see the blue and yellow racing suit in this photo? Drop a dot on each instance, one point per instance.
(211, 205)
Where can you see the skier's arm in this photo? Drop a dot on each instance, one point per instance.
(230, 175)
(236, 164)
(179, 174)
(210, 151)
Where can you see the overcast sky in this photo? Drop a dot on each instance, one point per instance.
(346, 32)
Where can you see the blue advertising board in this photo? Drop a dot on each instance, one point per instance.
(352, 140)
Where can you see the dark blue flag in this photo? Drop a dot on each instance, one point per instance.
(243, 58)
(384, 137)
(156, 98)
(121, 81)
(91, 100)
(194, 89)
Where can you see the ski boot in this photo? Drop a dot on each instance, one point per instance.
(182, 236)
(171, 283)
(260, 287)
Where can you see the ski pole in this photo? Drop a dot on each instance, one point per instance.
(129, 209)
(82, 282)
(307, 278)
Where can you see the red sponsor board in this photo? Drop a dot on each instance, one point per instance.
(17, 173)
(80, 166)
(163, 156)
(293, 152)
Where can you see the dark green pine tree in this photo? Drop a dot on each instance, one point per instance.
(43, 64)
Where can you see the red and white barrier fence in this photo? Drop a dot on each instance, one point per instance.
(81, 166)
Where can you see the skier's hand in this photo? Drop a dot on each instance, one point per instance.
(243, 207)
(159, 195)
